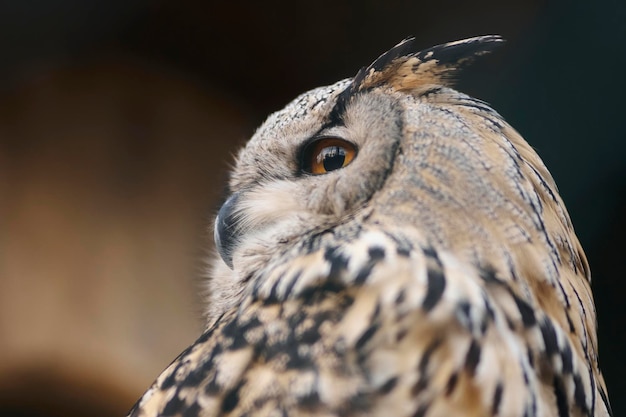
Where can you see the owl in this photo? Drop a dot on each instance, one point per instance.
(391, 247)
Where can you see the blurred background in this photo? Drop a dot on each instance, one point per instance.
(118, 120)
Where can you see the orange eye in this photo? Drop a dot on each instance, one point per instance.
(327, 154)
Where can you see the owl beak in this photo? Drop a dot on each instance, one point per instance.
(225, 230)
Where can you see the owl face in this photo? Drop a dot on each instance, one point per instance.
(303, 172)
(394, 150)
(302, 175)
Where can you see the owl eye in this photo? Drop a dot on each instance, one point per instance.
(327, 154)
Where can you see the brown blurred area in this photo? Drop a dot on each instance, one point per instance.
(118, 121)
(109, 172)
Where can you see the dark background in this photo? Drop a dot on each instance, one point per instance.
(118, 119)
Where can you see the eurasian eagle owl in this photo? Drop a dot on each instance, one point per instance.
(391, 247)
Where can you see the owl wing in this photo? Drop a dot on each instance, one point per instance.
(383, 328)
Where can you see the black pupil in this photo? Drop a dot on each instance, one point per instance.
(332, 157)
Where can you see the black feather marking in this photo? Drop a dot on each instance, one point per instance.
(364, 273)
(232, 398)
(309, 336)
(335, 117)
(366, 336)
(549, 337)
(206, 335)
(462, 51)
(400, 297)
(429, 252)
(233, 332)
(273, 296)
(403, 245)
(421, 383)
(497, 398)
(401, 335)
(509, 322)
(389, 385)
(533, 404)
(464, 309)
(376, 312)
(173, 406)
(310, 295)
(432, 90)
(489, 275)
(403, 49)
(376, 253)
(593, 392)
(404, 252)
(169, 381)
(491, 315)
(579, 393)
(472, 357)
(423, 364)
(421, 410)
(436, 286)
(530, 358)
(526, 311)
(192, 411)
(528, 412)
(239, 341)
(566, 358)
(605, 400)
(479, 105)
(338, 262)
(212, 387)
(196, 376)
(436, 279)
(561, 399)
(297, 360)
(310, 400)
(451, 384)
(292, 283)
(570, 323)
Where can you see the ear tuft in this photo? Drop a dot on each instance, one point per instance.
(403, 68)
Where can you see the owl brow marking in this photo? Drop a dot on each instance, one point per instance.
(404, 48)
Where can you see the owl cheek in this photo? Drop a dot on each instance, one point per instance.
(326, 198)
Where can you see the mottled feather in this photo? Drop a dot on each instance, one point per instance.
(437, 274)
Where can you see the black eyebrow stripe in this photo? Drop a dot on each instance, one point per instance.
(335, 117)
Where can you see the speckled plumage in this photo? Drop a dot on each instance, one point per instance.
(437, 274)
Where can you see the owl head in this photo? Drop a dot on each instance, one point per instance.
(395, 154)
